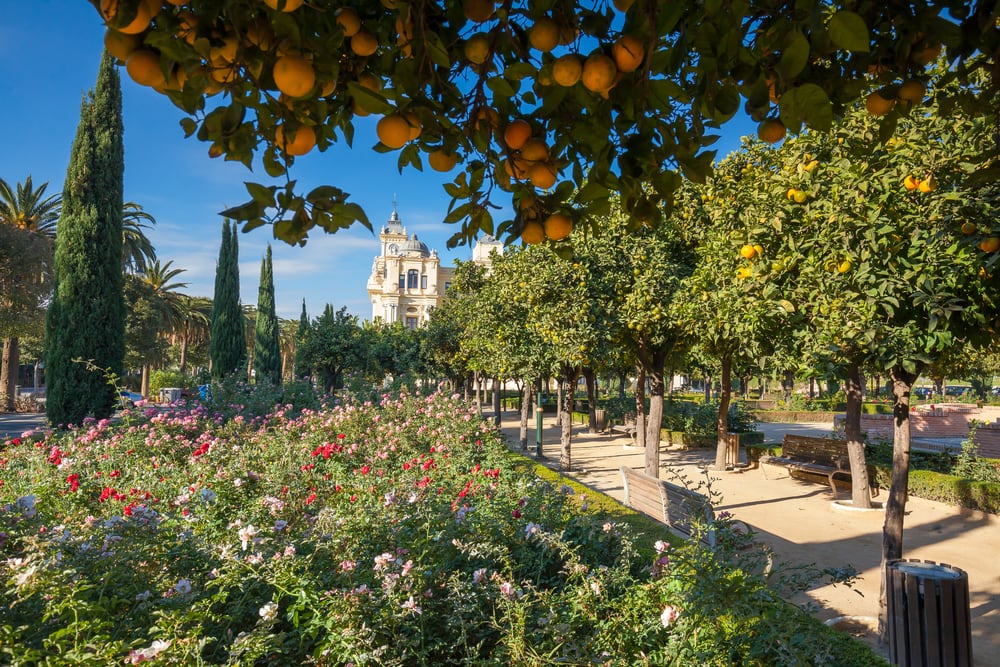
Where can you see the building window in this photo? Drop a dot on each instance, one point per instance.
(423, 281)
(411, 323)
(402, 281)
(411, 278)
(447, 286)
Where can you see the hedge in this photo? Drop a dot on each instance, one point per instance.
(950, 489)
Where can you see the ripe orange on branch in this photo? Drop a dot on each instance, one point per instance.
(558, 226)
(628, 53)
(543, 35)
(299, 143)
(517, 134)
(349, 20)
(878, 105)
(393, 130)
(143, 65)
(294, 75)
(771, 130)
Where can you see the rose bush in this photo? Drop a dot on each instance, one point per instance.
(402, 533)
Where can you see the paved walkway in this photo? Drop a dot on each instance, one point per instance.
(801, 523)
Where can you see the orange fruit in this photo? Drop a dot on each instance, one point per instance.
(926, 55)
(349, 20)
(912, 91)
(567, 70)
(144, 14)
(791, 193)
(990, 244)
(599, 73)
(442, 160)
(748, 252)
(771, 130)
(393, 130)
(533, 233)
(927, 185)
(288, 6)
(187, 30)
(485, 117)
(542, 175)
(534, 150)
(878, 105)
(477, 48)
(327, 87)
(800, 197)
(300, 143)
(558, 226)
(259, 34)
(478, 11)
(224, 53)
(910, 183)
(543, 35)
(143, 65)
(844, 266)
(294, 75)
(370, 81)
(416, 127)
(119, 44)
(969, 228)
(628, 53)
(363, 43)
(517, 134)
(623, 5)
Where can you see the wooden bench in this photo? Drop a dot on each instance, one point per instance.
(679, 508)
(818, 456)
(627, 427)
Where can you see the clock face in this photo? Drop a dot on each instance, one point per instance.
(393, 248)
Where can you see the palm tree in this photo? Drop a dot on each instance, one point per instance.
(29, 208)
(195, 325)
(138, 252)
(169, 302)
(25, 207)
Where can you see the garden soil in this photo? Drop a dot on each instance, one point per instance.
(799, 520)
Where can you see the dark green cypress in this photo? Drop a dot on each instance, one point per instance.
(86, 320)
(267, 349)
(227, 346)
(301, 364)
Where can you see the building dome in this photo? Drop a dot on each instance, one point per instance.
(415, 247)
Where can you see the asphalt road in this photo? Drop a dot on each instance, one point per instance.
(14, 424)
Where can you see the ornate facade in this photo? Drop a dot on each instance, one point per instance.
(407, 279)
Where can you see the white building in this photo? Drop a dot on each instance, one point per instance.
(407, 278)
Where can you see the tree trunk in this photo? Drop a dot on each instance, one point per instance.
(566, 439)
(591, 378)
(525, 414)
(144, 386)
(812, 388)
(895, 506)
(708, 388)
(640, 406)
(184, 349)
(860, 495)
(656, 390)
(723, 420)
(622, 382)
(36, 378)
(789, 384)
(9, 367)
(497, 403)
(560, 397)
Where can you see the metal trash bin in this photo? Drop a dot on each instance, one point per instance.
(928, 614)
(601, 417)
(170, 394)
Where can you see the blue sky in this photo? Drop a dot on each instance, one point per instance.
(49, 56)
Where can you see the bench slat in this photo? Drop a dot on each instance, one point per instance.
(822, 456)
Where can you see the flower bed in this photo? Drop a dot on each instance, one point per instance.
(396, 534)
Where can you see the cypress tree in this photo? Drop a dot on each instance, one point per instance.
(86, 319)
(301, 363)
(227, 346)
(267, 350)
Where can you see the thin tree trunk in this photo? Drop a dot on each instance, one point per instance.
(812, 388)
(723, 420)
(525, 414)
(860, 495)
(184, 350)
(560, 397)
(656, 389)
(9, 372)
(591, 378)
(708, 388)
(566, 439)
(640, 406)
(789, 384)
(622, 382)
(895, 506)
(144, 386)
(497, 403)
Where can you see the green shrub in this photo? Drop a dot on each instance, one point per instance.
(161, 379)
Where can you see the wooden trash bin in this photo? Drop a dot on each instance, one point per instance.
(928, 614)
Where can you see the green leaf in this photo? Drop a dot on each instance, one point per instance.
(261, 194)
(849, 32)
(369, 99)
(436, 50)
(808, 104)
(500, 86)
(189, 126)
(794, 57)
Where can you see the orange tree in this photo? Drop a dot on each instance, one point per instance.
(888, 254)
(526, 95)
(495, 335)
(637, 274)
(442, 345)
(735, 316)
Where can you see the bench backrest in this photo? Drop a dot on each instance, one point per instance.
(677, 507)
(824, 451)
